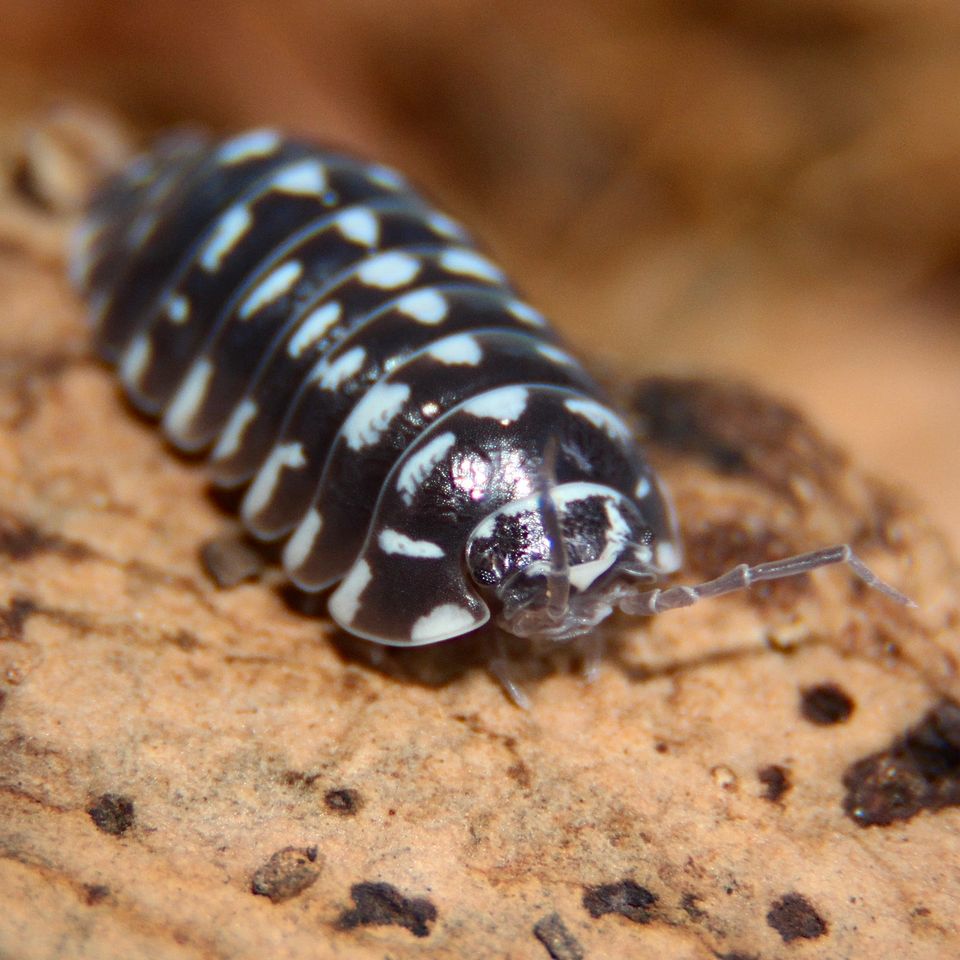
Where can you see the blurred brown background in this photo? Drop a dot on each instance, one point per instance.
(760, 188)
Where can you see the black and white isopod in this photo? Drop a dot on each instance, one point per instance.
(394, 411)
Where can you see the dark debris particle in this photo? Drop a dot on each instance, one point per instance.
(776, 781)
(343, 800)
(382, 904)
(919, 770)
(230, 561)
(286, 874)
(15, 616)
(626, 898)
(736, 956)
(112, 813)
(794, 918)
(826, 704)
(95, 893)
(560, 943)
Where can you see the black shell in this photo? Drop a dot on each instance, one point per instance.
(342, 349)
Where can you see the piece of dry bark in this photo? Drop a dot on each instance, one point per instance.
(161, 740)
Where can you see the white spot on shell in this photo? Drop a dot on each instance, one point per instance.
(460, 349)
(388, 270)
(442, 622)
(228, 232)
(359, 225)
(393, 541)
(177, 308)
(272, 287)
(187, 401)
(505, 404)
(370, 418)
(307, 177)
(600, 416)
(333, 375)
(425, 306)
(642, 489)
(284, 456)
(555, 354)
(82, 252)
(345, 602)
(386, 176)
(468, 263)
(416, 467)
(313, 328)
(300, 544)
(526, 314)
(233, 432)
(256, 143)
(445, 226)
(136, 358)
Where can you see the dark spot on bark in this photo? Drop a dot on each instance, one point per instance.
(382, 904)
(626, 898)
(794, 918)
(826, 704)
(297, 778)
(3, 699)
(287, 873)
(919, 770)
(689, 902)
(343, 800)
(112, 813)
(558, 940)
(20, 541)
(519, 772)
(662, 748)
(95, 893)
(776, 780)
(674, 418)
(230, 560)
(185, 640)
(13, 618)
(738, 431)
(735, 956)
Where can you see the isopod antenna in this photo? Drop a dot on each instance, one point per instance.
(649, 602)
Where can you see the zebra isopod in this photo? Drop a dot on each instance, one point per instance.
(396, 415)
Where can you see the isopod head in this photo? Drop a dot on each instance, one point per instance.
(555, 562)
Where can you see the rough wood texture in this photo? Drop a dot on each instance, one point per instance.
(194, 773)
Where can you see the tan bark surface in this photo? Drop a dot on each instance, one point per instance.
(189, 772)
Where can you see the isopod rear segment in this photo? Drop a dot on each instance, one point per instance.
(398, 415)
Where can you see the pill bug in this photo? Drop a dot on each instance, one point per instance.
(399, 418)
